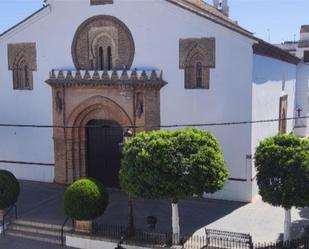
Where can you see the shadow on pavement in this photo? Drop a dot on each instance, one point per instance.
(42, 202)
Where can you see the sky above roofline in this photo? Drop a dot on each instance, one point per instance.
(271, 20)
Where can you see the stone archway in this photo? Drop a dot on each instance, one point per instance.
(75, 136)
(94, 108)
(129, 98)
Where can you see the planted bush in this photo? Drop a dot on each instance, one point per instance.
(85, 200)
(9, 189)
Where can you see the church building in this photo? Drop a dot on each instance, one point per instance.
(139, 65)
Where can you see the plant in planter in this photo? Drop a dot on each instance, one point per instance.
(84, 201)
(9, 191)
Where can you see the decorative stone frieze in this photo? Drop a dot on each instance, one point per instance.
(120, 78)
(196, 57)
(22, 62)
(103, 43)
(101, 2)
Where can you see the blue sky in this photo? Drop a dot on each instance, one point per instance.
(278, 19)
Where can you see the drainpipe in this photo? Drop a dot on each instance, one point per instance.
(65, 132)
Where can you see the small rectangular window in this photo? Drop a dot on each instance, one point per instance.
(306, 56)
(283, 114)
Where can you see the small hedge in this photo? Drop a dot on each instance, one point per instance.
(9, 189)
(85, 199)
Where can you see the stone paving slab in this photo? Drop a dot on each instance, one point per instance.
(43, 202)
(9, 242)
(263, 221)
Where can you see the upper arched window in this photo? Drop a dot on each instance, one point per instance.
(22, 76)
(197, 57)
(109, 58)
(101, 59)
(27, 81)
(22, 63)
(109, 33)
(199, 75)
(196, 73)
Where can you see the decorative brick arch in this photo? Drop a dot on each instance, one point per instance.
(103, 31)
(96, 107)
(196, 57)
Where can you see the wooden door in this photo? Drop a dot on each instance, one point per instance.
(103, 151)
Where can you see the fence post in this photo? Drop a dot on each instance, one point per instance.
(250, 242)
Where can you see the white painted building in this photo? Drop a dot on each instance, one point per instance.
(139, 63)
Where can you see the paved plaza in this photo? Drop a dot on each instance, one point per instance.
(41, 202)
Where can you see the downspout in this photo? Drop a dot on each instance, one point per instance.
(65, 132)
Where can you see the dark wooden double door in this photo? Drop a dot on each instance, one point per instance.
(103, 151)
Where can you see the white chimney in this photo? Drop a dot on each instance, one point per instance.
(222, 6)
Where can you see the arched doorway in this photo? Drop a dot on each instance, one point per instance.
(103, 151)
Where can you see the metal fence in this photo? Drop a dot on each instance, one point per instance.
(212, 238)
(149, 237)
(293, 244)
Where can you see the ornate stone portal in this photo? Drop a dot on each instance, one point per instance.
(102, 88)
(131, 98)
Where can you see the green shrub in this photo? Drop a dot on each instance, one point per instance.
(85, 199)
(9, 189)
(173, 164)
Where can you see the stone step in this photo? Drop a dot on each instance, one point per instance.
(36, 230)
(39, 225)
(33, 236)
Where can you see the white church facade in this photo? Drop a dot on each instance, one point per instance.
(141, 65)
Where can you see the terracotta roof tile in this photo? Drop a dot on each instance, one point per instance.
(304, 29)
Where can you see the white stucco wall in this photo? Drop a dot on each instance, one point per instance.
(301, 99)
(272, 79)
(27, 107)
(156, 27)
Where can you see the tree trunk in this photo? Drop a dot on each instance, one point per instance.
(130, 217)
(175, 222)
(287, 225)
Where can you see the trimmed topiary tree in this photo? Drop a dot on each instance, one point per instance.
(282, 163)
(9, 190)
(84, 201)
(173, 164)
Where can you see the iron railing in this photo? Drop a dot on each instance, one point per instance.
(140, 236)
(6, 214)
(62, 229)
(213, 239)
(293, 244)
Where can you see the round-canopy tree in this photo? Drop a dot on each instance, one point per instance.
(173, 165)
(84, 201)
(9, 189)
(282, 163)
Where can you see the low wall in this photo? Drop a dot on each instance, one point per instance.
(86, 242)
(30, 172)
